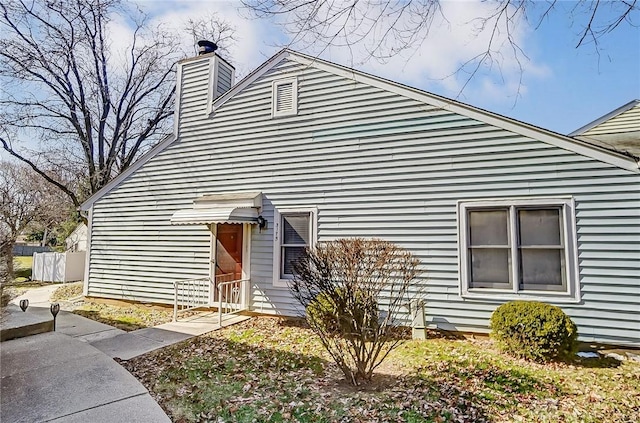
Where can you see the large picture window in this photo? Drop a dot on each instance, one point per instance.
(294, 231)
(516, 248)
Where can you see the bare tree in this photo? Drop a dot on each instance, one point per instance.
(387, 28)
(88, 102)
(25, 198)
(355, 293)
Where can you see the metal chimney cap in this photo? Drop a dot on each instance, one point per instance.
(205, 46)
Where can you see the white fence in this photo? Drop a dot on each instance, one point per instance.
(58, 267)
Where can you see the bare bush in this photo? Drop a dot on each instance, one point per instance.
(355, 292)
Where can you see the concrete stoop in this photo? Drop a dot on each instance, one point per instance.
(16, 323)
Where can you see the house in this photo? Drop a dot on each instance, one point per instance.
(77, 240)
(618, 130)
(302, 151)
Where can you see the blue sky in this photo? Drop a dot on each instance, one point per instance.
(562, 88)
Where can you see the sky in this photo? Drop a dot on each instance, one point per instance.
(560, 87)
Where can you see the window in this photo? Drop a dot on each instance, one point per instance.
(284, 97)
(294, 231)
(518, 248)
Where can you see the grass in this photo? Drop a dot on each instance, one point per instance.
(126, 317)
(270, 370)
(22, 268)
(22, 277)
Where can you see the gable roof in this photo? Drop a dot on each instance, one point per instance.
(603, 154)
(620, 110)
(618, 130)
(164, 143)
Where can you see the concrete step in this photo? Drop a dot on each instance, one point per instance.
(16, 323)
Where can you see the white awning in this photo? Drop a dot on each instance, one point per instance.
(221, 208)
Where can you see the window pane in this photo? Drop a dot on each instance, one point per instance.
(539, 227)
(489, 268)
(295, 229)
(488, 227)
(541, 269)
(289, 256)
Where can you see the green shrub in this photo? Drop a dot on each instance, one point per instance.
(339, 312)
(534, 330)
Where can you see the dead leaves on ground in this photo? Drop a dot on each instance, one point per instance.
(274, 370)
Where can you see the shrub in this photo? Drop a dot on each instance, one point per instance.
(534, 330)
(343, 313)
(354, 292)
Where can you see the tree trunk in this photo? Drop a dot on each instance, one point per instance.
(7, 258)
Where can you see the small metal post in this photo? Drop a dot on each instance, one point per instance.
(55, 309)
(175, 302)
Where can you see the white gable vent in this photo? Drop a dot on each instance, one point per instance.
(285, 97)
(223, 81)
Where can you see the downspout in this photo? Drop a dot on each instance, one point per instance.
(88, 215)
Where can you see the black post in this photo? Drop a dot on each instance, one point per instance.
(55, 309)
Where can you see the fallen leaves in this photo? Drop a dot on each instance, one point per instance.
(271, 369)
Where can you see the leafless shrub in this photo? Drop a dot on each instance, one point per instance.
(355, 292)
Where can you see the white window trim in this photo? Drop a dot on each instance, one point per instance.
(572, 293)
(277, 251)
(294, 97)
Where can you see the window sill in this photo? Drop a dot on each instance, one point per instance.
(283, 115)
(499, 295)
(281, 283)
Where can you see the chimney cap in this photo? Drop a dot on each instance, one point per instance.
(205, 46)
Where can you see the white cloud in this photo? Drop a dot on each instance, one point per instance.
(433, 64)
(255, 39)
(454, 37)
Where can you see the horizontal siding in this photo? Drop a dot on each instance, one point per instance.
(374, 164)
(628, 121)
(224, 76)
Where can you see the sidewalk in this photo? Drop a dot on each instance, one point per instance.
(70, 375)
(53, 377)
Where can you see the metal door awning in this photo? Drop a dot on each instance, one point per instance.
(239, 207)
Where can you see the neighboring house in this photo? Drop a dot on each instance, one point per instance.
(303, 151)
(77, 240)
(618, 130)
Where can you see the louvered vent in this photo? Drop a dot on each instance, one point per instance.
(284, 102)
(224, 76)
(285, 97)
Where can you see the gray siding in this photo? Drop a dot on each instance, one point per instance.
(224, 82)
(375, 164)
(628, 121)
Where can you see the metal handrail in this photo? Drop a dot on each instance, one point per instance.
(194, 293)
(237, 297)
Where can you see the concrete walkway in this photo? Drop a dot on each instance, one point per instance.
(70, 376)
(53, 377)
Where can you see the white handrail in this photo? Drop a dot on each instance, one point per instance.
(190, 294)
(233, 293)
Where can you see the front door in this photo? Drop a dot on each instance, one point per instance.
(229, 252)
(229, 243)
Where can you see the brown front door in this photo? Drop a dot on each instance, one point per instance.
(229, 252)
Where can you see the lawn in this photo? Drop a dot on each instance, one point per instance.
(274, 370)
(22, 268)
(22, 277)
(123, 316)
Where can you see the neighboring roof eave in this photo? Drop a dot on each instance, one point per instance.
(166, 141)
(630, 105)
